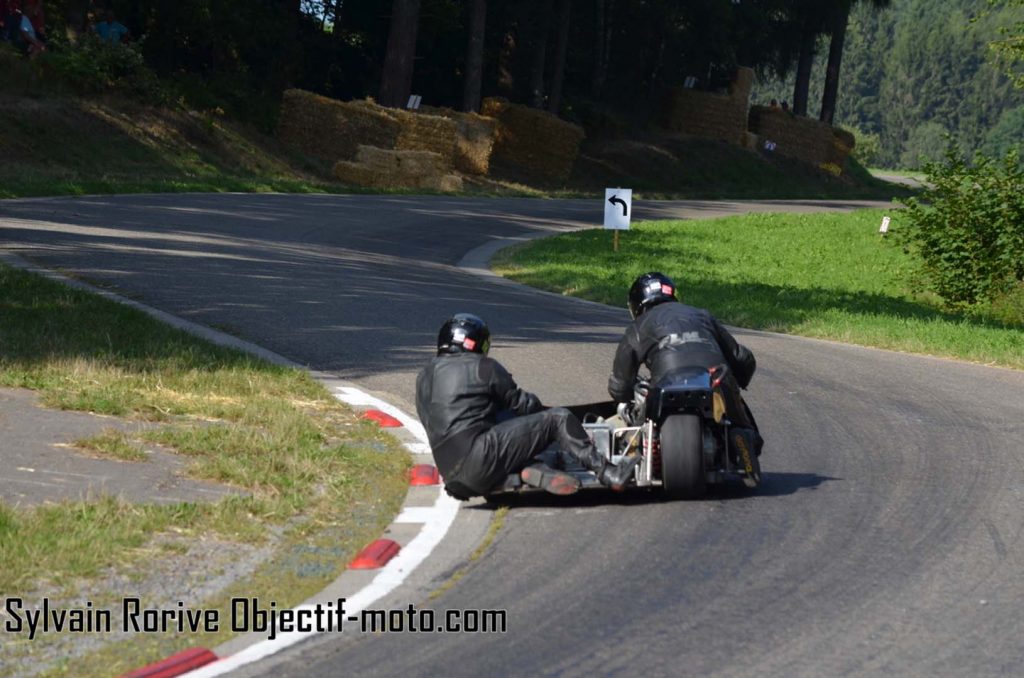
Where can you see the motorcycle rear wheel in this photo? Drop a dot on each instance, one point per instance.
(682, 457)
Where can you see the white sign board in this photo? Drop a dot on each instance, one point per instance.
(618, 208)
(885, 225)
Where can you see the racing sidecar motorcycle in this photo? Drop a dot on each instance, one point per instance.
(679, 429)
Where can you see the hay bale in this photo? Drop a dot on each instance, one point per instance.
(811, 141)
(710, 115)
(706, 115)
(401, 163)
(356, 174)
(422, 132)
(474, 139)
(750, 141)
(449, 183)
(333, 130)
(533, 140)
(742, 83)
(386, 168)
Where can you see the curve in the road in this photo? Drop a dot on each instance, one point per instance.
(887, 538)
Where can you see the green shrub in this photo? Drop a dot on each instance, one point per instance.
(867, 147)
(92, 66)
(1008, 309)
(968, 227)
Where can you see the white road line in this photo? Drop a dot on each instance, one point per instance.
(416, 514)
(353, 396)
(418, 448)
(436, 520)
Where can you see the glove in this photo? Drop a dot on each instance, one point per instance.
(627, 412)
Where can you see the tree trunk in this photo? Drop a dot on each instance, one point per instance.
(603, 43)
(803, 71)
(396, 82)
(475, 56)
(336, 22)
(540, 51)
(558, 79)
(835, 60)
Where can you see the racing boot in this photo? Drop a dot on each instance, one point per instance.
(747, 442)
(551, 480)
(616, 477)
(611, 476)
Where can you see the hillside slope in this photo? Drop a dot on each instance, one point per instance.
(67, 146)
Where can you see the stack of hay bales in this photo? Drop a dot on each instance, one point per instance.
(381, 168)
(333, 130)
(381, 141)
(422, 132)
(532, 140)
(709, 115)
(474, 139)
(804, 139)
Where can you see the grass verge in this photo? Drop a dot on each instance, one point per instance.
(310, 469)
(830, 276)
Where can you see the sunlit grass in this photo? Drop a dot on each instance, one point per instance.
(831, 276)
(276, 435)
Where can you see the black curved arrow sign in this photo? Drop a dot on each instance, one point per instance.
(616, 199)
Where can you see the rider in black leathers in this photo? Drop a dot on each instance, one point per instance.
(459, 396)
(668, 337)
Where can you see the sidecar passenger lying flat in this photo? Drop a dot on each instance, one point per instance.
(679, 430)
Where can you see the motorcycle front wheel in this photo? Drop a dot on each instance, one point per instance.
(682, 457)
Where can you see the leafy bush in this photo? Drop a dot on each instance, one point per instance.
(93, 65)
(968, 227)
(867, 148)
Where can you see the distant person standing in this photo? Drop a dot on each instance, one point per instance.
(111, 30)
(785, 106)
(32, 28)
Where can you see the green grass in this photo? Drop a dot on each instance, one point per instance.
(820, 275)
(112, 444)
(304, 462)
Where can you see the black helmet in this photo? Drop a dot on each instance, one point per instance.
(464, 333)
(649, 290)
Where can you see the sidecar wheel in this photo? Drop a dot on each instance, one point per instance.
(682, 457)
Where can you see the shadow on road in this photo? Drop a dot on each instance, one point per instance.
(774, 485)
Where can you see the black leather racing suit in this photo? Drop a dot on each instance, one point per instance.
(458, 398)
(671, 336)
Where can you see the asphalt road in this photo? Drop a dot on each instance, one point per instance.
(887, 537)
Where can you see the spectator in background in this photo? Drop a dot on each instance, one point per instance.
(33, 27)
(111, 30)
(774, 104)
(785, 106)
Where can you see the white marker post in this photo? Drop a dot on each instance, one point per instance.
(885, 226)
(618, 209)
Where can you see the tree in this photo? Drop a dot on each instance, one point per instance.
(540, 50)
(561, 50)
(839, 20)
(603, 45)
(1011, 46)
(811, 16)
(475, 56)
(396, 82)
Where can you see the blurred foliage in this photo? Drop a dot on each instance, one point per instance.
(968, 227)
(919, 62)
(867, 148)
